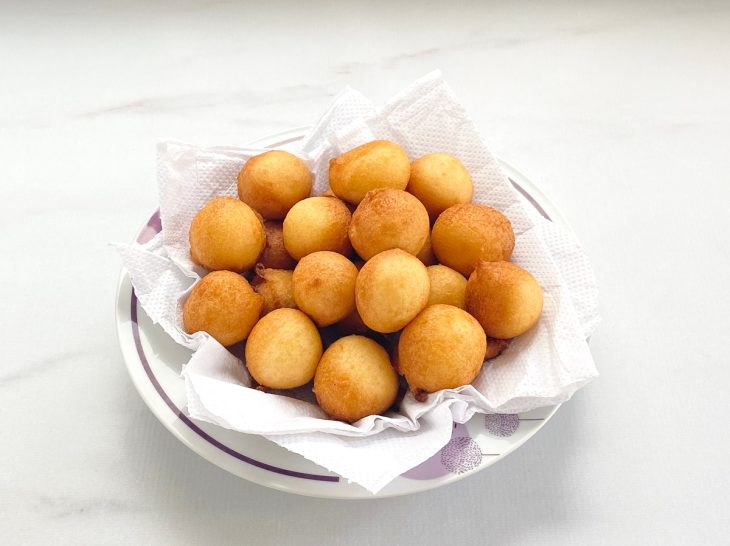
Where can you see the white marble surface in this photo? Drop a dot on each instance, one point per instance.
(620, 112)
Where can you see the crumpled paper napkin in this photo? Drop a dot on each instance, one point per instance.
(543, 367)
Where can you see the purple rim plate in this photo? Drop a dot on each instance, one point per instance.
(154, 362)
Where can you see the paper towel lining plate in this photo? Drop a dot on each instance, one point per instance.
(154, 362)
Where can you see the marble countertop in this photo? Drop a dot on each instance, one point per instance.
(619, 112)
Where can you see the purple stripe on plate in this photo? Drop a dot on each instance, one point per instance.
(195, 428)
(532, 201)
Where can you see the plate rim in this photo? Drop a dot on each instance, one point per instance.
(171, 420)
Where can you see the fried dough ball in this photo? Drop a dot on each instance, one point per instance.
(275, 254)
(465, 234)
(391, 289)
(377, 164)
(324, 286)
(426, 252)
(272, 182)
(317, 223)
(388, 218)
(354, 379)
(504, 298)
(224, 305)
(283, 349)
(439, 181)
(442, 348)
(275, 287)
(226, 234)
(447, 286)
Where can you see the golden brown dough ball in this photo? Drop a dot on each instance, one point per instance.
(275, 255)
(391, 289)
(465, 234)
(226, 234)
(275, 287)
(324, 286)
(317, 223)
(354, 379)
(272, 182)
(426, 252)
(387, 218)
(439, 181)
(504, 298)
(283, 349)
(442, 348)
(377, 164)
(224, 305)
(447, 286)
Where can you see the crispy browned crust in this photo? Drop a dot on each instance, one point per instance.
(505, 299)
(354, 379)
(226, 235)
(224, 305)
(442, 348)
(273, 182)
(324, 286)
(465, 234)
(377, 164)
(283, 349)
(391, 289)
(388, 218)
(317, 223)
(439, 181)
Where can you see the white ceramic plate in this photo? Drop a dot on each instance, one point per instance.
(154, 362)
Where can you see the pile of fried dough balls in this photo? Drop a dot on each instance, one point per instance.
(393, 267)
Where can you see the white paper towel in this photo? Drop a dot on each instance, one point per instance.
(543, 367)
